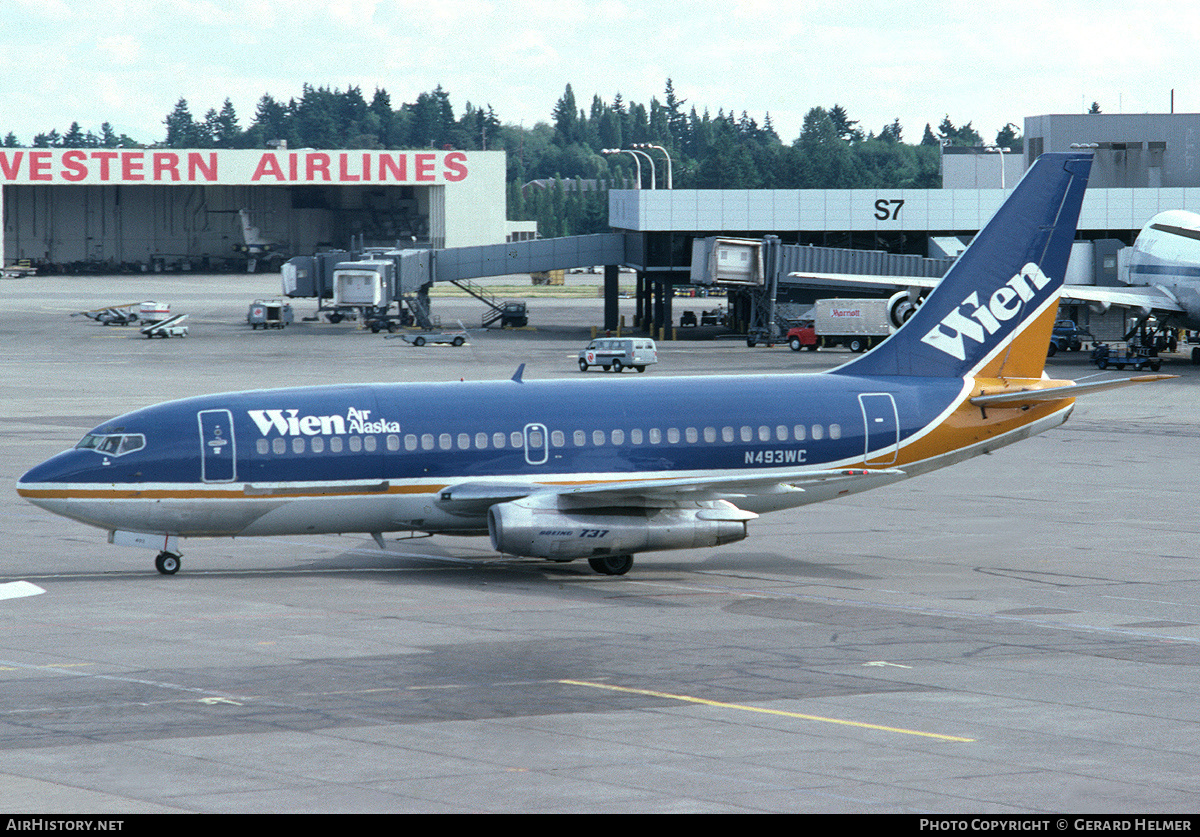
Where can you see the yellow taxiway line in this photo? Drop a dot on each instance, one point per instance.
(780, 712)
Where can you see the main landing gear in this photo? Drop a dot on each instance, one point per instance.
(167, 563)
(612, 564)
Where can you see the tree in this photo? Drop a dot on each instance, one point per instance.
(223, 127)
(566, 117)
(182, 130)
(892, 133)
(677, 123)
(1008, 138)
(1095, 108)
(964, 136)
(843, 125)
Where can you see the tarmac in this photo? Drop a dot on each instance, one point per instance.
(1015, 635)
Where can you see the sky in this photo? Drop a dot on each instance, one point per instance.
(988, 64)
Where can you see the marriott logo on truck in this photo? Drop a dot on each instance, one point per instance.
(973, 321)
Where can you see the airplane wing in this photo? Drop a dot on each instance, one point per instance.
(475, 498)
(1144, 298)
(870, 280)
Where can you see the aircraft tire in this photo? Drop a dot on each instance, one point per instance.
(611, 564)
(167, 563)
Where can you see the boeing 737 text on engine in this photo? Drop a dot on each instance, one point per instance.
(678, 463)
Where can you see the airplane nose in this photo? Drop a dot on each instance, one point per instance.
(58, 468)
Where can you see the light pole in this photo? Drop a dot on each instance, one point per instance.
(1000, 150)
(638, 162)
(670, 184)
(650, 160)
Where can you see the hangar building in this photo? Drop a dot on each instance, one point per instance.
(160, 209)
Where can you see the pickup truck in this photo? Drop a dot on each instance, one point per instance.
(1067, 337)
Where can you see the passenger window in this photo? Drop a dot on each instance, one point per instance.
(318, 444)
(298, 444)
(498, 440)
(764, 433)
(580, 438)
(518, 439)
(747, 434)
(335, 444)
(618, 437)
(798, 432)
(444, 441)
(781, 433)
(727, 434)
(356, 444)
(710, 434)
(464, 441)
(410, 441)
(369, 443)
(279, 445)
(393, 442)
(691, 435)
(263, 446)
(426, 441)
(597, 437)
(818, 431)
(655, 435)
(557, 439)
(673, 435)
(481, 441)
(635, 436)
(835, 431)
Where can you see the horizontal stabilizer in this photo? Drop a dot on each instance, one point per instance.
(1030, 396)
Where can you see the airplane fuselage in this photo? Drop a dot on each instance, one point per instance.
(1166, 255)
(374, 458)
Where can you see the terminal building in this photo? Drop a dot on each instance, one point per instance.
(165, 209)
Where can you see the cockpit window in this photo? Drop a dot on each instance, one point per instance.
(112, 444)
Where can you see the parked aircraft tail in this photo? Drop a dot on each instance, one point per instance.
(993, 312)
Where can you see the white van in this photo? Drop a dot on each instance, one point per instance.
(616, 353)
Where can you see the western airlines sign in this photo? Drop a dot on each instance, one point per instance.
(229, 167)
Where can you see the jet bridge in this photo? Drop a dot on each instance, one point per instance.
(756, 274)
(405, 276)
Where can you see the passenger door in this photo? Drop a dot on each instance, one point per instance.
(882, 428)
(218, 453)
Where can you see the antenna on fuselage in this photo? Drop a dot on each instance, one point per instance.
(517, 375)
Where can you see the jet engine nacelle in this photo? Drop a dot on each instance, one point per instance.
(901, 306)
(537, 528)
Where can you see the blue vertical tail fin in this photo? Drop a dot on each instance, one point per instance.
(992, 313)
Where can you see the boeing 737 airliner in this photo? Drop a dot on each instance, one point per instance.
(669, 463)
